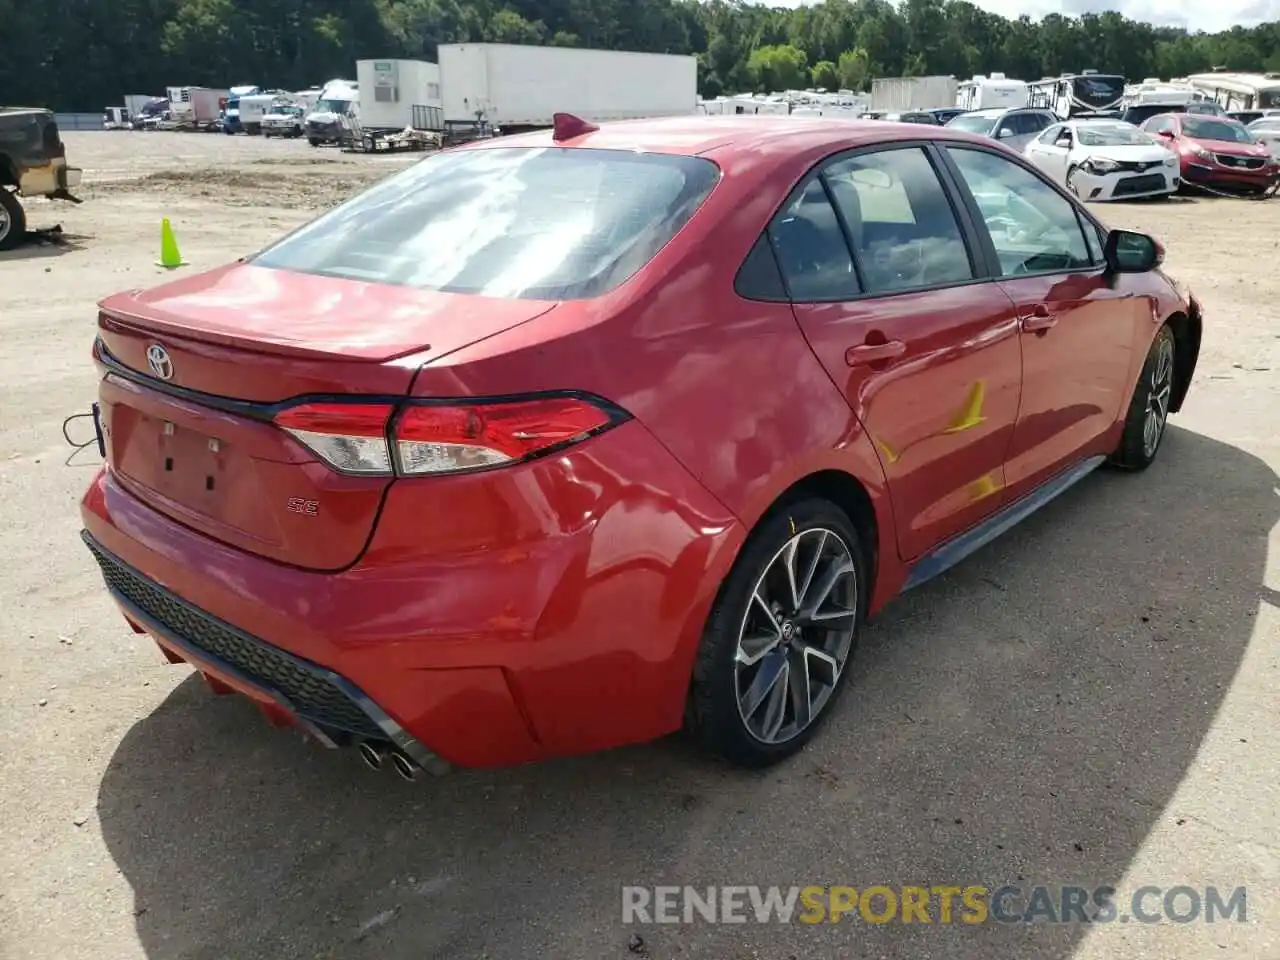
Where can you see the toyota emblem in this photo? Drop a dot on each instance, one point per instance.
(159, 362)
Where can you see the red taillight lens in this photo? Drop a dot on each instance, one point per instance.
(438, 438)
(448, 437)
(350, 437)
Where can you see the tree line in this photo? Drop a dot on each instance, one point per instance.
(77, 55)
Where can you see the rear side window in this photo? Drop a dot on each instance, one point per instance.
(811, 249)
(526, 223)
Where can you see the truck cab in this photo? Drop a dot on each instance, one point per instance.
(33, 163)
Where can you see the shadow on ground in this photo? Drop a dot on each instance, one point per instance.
(1024, 719)
(43, 244)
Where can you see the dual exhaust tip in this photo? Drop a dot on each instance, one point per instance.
(374, 756)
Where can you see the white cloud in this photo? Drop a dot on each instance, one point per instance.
(1191, 14)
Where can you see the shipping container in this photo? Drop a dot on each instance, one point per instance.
(395, 94)
(516, 87)
(897, 94)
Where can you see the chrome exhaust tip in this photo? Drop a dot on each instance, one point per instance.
(371, 755)
(407, 769)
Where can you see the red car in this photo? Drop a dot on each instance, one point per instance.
(1216, 152)
(563, 441)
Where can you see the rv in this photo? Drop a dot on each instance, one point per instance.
(1078, 94)
(997, 90)
(1239, 91)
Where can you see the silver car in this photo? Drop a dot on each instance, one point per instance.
(1266, 130)
(1014, 127)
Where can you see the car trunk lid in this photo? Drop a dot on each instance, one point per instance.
(195, 372)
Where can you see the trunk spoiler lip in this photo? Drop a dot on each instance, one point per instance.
(266, 412)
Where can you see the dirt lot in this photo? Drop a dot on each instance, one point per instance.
(1091, 700)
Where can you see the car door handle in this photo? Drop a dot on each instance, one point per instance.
(874, 352)
(1039, 320)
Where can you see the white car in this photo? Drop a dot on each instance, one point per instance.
(1267, 132)
(1105, 160)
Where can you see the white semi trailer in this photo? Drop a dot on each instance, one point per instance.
(516, 87)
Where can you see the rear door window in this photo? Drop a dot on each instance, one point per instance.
(528, 223)
(899, 218)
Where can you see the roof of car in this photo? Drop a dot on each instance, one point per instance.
(696, 135)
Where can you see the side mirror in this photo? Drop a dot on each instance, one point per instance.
(1167, 134)
(1004, 133)
(1129, 252)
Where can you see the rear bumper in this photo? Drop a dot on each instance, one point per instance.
(572, 629)
(48, 178)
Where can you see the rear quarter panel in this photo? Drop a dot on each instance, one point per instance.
(730, 387)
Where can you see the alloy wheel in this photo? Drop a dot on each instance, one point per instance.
(796, 635)
(1161, 385)
(6, 222)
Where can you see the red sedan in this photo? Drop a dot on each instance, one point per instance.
(1216, 152)
(558, 442)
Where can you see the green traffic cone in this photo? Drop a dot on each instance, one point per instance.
(169, 255)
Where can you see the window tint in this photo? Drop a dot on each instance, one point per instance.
(540, 224)
(901, 223)
(758, 277)
(811, 249)
(1033, 227)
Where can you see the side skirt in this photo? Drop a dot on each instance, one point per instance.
(948, 554)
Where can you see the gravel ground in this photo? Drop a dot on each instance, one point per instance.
(1092, 699)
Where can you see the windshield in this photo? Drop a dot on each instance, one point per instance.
(1119, 135)
(332, 106)
(530, 223)
(1204, 128)
(1099, 91)
(973, 123)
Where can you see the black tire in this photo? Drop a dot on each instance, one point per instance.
(313, 141)
(13, 226)
(1071, 187)
(1150, 402)
(720, 681)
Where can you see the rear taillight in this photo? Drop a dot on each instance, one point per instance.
(351, 437)
(443, 437)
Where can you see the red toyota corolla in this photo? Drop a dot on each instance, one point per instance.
(1216, 152)
(558, 442)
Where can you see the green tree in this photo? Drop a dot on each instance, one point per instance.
(780, 67)
(825, 75)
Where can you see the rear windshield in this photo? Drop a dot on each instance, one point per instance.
(520, 223)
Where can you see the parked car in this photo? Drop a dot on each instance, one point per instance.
(1013, 127)
(1216, 152)
(1105, 160)
(1140, 113)
(913, 116)
(420, 482)
(1249, 116)
(1267, 132)
(33, 163)
(941, 115)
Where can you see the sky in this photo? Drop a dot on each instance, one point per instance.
(1190, 14)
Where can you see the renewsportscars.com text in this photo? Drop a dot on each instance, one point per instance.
(942, 905)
